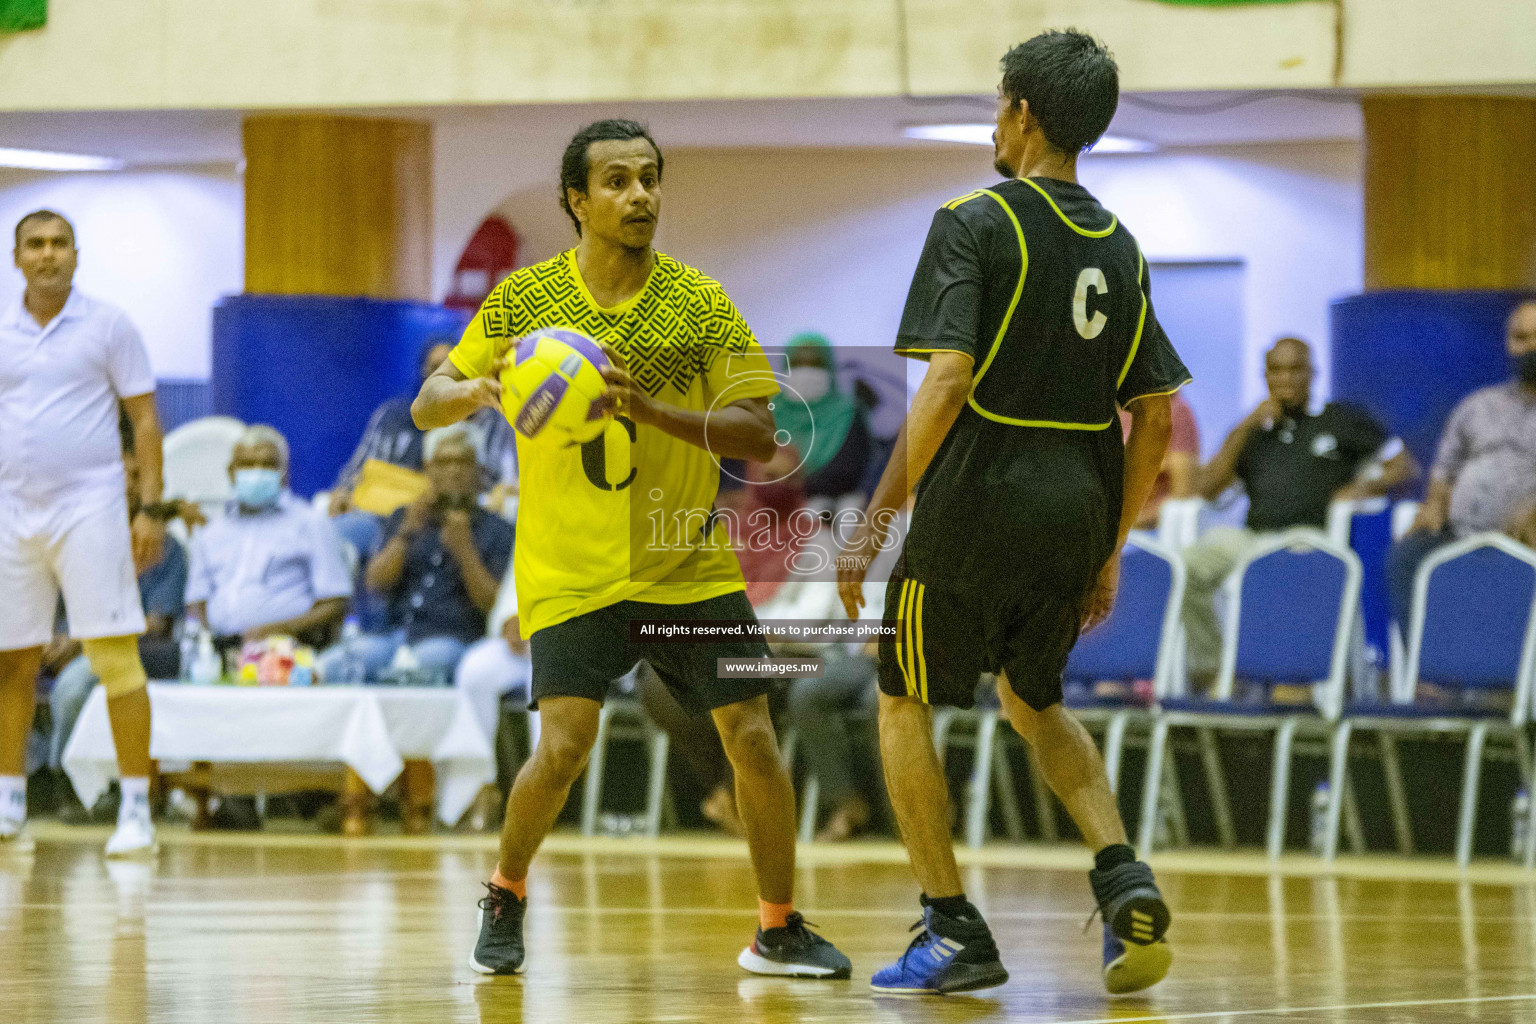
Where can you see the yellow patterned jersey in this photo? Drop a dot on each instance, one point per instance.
(629, 515)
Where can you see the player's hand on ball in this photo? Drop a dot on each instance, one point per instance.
(148, 541)
(1101, 599)
(485, 391)
(623, 398)
(504, 348)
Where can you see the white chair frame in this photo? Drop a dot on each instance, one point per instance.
(1477, 731)
(991, 766)
(1328, 697)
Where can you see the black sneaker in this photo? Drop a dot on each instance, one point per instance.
(1136, 955)
(794, 951)
(500, 949)
(949, 955)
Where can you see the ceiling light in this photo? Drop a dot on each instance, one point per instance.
(981, 135)
(43, 160)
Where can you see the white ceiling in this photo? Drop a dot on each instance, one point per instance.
(161, 137)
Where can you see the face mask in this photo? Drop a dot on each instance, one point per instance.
(258, 488)
(1525, 367)
(811, 382)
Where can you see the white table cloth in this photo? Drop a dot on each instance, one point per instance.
(372, 730)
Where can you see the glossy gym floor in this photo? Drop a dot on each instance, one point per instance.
(259, 929)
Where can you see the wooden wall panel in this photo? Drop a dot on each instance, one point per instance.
(1450, 192)
(337, 206)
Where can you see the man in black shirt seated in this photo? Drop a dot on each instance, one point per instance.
(1293, 464)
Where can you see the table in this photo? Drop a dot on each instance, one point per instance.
(371, 729)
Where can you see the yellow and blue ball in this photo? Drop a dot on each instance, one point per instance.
(552, 390)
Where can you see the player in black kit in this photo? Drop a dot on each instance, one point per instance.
(1032, 305)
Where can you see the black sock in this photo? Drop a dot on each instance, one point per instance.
(956, 908)
(1113, 856)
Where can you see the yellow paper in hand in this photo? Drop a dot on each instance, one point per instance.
(382, 487)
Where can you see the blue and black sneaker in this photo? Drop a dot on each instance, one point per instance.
(500, 947)
(949, 955)
(794, 951)
(1136, 955)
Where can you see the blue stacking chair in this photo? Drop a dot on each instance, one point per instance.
(1138, 641)
(1292, 608)
(1472, 632)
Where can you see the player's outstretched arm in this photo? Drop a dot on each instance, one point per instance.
(448, 396)
(944, 391)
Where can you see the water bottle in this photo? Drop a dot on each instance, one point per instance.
(352, 671)
(206, 666)
(619, 825)
(1321, 798)
(1519, 823)
(189, 631)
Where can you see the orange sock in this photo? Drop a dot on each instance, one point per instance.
(773, 915)
(518, 888)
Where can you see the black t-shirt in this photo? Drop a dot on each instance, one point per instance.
(1049, 295)
(1292, 470)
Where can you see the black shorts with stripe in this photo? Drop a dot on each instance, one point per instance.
(948, 636)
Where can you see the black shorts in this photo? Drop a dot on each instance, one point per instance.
(949, 636)
(581, 657)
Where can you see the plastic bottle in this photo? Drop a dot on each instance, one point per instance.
(1321, 798)
(206, 667)
(1519, 823)
(189, 631)
(620, 825)
(352, 672)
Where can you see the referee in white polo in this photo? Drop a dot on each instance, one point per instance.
(66, 362)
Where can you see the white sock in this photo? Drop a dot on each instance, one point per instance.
(135, 803)
(13, 797)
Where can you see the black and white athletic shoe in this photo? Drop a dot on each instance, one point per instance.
(1136, 955)
(794, 951)
(500, 948)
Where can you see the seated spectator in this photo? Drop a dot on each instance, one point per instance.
(492, 668)
(391, 436)
(1293, 464)
(162, 589)
(439, 568)
(270, 565)
(1484, 477)
(828, 426)
(820, 708)
(1180, 464)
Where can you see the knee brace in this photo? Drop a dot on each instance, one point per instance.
(115, 660)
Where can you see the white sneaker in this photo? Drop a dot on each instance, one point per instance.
(134, 837)
(13, 836)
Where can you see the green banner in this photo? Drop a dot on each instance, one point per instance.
(22, 15)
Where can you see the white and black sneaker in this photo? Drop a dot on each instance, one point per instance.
(794, 951)
(1136, 953)
(500, 947)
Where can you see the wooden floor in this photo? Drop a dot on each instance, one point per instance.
(270, 929)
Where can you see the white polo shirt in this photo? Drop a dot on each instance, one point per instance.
(59, 392)
(262, 567)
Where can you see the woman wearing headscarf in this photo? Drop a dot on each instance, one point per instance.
(823, 421)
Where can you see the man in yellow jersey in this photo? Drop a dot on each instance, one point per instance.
(617, 532)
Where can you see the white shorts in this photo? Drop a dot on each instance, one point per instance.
(81, 547)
